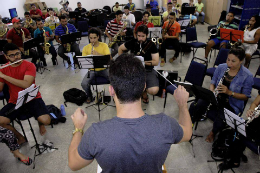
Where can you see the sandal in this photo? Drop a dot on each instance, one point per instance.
(172, 59)
(89, 100)
(27, 162)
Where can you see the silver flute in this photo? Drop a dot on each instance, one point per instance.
(10, 64)
(255, 114)
(92, 48)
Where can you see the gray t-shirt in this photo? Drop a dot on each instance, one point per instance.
(131, 145)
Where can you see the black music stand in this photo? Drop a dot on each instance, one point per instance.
(24, 97)
(70, 38)
(187, 10)
(2, 44)
(93, 62)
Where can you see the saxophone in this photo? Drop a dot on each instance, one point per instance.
(255, 114)
(23, 37)
(68, 45)
(47, 45)
(115, 38)
(3, 30)
(215, 31)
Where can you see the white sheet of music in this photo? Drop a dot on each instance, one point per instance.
(155, 32)
(230, 117)
(141, 59)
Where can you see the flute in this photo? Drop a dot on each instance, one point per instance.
(92, 48)
(10, 64)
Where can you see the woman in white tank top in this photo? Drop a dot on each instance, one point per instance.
(251, 38)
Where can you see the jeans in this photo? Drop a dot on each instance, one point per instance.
(114, 50)
(202, 14)
(74, 48)
(51, 50)
(85, 84)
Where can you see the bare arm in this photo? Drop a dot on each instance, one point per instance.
(57, 39)
(108, 35)
(257, 37)
(172, 37)
(155, 60)
(121, 49)
(1, 86)
(76, 162)
(181, 96)
(25, 83)
(9, 40)
(225, 90)
(253, 106)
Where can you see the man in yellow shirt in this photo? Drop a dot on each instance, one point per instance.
(95, 47)
(116, 7)
(166, 13)
(199, 11)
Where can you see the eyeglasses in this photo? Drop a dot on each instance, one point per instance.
(14, 55)
(170, 17)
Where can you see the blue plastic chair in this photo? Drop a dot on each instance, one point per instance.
(221, 58)
(195, 75)
(192, 40)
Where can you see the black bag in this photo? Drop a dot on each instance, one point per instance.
(55, 114)
(74, 95)
(222, 146)
(185, 47)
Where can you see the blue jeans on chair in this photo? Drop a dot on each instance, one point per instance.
(202, 14)
(85, 84)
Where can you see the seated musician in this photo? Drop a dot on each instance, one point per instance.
(252, 133)
(48, 13)
(64, 11)
(3, 29)
(176, 8)
(166, 13)
(193, 18)
(199, 11)
(29, 23)
(18, 77)
(38, 33)
(35, 13)
(170, 34)
(18, 35)
(116, 7)
(154, 4)
(251, 38)
(131, 6)
(132, 141)
(147, 49)
(51, 18)
(112, 29)
(80, 8)
(8, 137)
(144, 21)
(128, 16)
(228, 24)
(95, 47)
(65, 28)
(231, 93)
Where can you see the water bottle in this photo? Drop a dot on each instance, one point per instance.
(62, 109)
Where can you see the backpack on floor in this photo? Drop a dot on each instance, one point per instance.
(55, 114)
(74, 95)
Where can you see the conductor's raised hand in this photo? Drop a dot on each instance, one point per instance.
(181, 96)
(79, 118)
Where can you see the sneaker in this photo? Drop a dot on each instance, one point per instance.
(162, 63)
(54, 60)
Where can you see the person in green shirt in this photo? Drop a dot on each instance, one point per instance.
(199, 11)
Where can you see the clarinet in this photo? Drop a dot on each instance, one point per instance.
(216, 92)
(255, 114)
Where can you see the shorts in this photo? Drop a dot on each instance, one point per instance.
(35, 107)
(219, 41)
(249, 48)
(151, 79)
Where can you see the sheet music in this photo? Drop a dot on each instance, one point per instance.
(240, 122)
(87, 62)
(141, 59)
(184, 22)
(33, 92)
(155, 32)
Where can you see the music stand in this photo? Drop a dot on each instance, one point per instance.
(232, 35)
(2, 44)
(93, 62)
(156, 20)
(187, 10)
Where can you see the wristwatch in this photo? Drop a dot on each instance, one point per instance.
(77, 130)
(232, 95)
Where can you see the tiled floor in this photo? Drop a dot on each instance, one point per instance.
(180, 158)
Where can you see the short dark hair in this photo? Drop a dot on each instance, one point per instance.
(63, 17)
(49, 9)
(119, 12)
(126, 7)
(38, 20)
(146, 12)
(127, 77)
(169, 3)
(172, 14)
(232, 12)
(143, 29)
(238, 52)
(257, 23)
(95, 30)
(78, 2)
(26, 13)
(33, 5)
(10, 46)
(117, 3)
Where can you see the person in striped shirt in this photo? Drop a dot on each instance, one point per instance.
(228, 24)
(112, 29)
(61, 30)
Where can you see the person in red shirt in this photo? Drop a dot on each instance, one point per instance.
(16, 34)
(170, 34)
(144, 22)
(18, 77)
(35, 13)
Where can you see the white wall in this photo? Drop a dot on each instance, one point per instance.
(88, 4)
